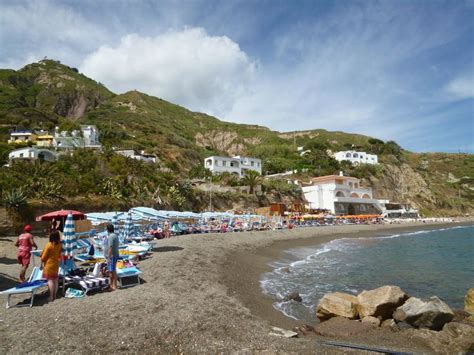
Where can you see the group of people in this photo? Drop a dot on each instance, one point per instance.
(51, 256)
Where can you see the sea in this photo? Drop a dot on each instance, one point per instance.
(427, 263)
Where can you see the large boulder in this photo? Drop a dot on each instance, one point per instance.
(469, 301)
(337, 304)
(433, 314)
(380, 302)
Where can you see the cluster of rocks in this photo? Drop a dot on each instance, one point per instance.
(389, 306)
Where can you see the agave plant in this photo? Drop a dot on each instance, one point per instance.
(15, 200)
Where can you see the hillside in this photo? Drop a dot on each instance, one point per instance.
(47, 94)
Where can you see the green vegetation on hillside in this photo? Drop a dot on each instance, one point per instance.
(48, 94)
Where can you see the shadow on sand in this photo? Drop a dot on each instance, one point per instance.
(8, 261)
(166, 249)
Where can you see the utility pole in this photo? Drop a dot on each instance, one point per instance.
(210, 194)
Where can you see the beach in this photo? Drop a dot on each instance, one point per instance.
(200, 293)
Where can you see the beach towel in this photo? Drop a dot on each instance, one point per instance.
(73, 293)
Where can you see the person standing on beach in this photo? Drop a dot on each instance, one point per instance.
(112, 255)
(50, 259)
(25, 243)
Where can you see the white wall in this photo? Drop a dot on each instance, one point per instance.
(356, 157)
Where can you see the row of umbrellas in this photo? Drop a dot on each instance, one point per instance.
(69, 234)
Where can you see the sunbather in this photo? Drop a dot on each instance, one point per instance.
(25, 243)
(50, 260)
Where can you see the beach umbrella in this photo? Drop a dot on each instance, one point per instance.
(69, 237)
(61, 215)
(128, 228)
(116, 224)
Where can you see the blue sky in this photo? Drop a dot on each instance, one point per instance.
(395, 70)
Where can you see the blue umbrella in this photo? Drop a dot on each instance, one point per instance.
(116, 224)
(69, 237)
(128, 228)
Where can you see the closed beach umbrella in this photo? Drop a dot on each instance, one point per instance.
(69, 236)
(128, 229)
(116, 224)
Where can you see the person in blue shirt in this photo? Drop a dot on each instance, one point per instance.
(112, 255)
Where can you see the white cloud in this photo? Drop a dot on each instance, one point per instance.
(186, 67)
(32, 30)
(358, 69)
(462, 87)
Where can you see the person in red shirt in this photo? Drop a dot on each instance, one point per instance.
(25, 243)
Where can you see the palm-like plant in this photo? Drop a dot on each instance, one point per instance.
(251, 179)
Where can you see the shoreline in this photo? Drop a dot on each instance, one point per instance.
(248, 289)
(199, 294)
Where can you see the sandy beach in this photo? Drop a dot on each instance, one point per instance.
(200, 293)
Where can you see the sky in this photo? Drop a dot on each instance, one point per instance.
(392, 69)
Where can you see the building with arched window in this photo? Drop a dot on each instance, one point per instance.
(237, 165)
(356, 157)
(341, 195)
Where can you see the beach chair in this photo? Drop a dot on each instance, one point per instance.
(86, 282)
(34, 284)
(130, 273)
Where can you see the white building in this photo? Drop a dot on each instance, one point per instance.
(31, 153)
(342, 195)
(237, 165)
(356, 158)
(142, 156)
(247, 163)
(88, 138)
(17, 137)
(90, 134)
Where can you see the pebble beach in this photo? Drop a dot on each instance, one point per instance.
(200, 293)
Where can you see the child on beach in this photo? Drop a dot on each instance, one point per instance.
(25, 243)
(50, 259)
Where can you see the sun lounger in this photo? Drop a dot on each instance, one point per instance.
(36, 282)
(86, 282)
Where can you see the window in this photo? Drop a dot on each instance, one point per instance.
(21, 155)
(252, 163)
(355, 155)
(224, 163)
(209, 162)
(348, 155)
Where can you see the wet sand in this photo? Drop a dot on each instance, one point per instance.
(200, 293)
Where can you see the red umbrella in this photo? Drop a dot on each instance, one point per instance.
(60, 215)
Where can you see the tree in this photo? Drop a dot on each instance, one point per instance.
(251, 179)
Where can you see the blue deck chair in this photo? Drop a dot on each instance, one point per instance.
(37, 282)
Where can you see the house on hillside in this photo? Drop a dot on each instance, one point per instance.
(21, 136)
(356, 158)
(32, 153)
(87, 137)
(44, 139)
(142, 156)
(237, 165)
(342, 195)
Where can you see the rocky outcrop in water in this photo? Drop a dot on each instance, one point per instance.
(433, 314)
(469, 301)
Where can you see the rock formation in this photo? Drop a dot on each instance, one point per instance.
(337, 304)
(380, 302)
(433, 314)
